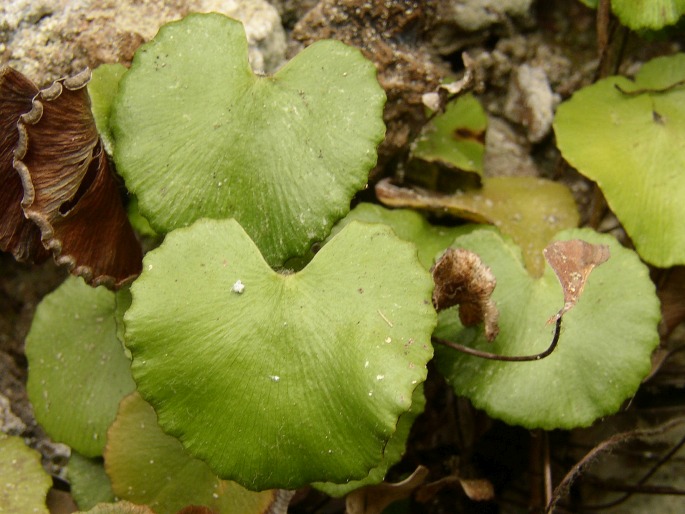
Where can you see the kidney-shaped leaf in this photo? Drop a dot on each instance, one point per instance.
(603, 353)
(78, 371)
(279, 380)
(199, 135)
(631, 144)
(150, 467)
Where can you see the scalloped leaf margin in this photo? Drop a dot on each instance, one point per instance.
(76, 359)
(631, 145)
(603, 354)
(198, 134)
(305, 373)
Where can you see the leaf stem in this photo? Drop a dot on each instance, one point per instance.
(640, 487)
(607, 445)
(508, 358)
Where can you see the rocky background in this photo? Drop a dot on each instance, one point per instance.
(528, 56)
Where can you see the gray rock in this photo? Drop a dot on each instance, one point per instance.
(48, 39)
(507, 153)
(472, 15)
(465, 23)
(530, 101)
(9, 422)
(265, 34)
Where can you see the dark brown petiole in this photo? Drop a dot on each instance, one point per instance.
(513, 358)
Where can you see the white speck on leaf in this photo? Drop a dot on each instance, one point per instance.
(238, 287)
(384, 318)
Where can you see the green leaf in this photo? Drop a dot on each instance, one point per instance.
(603, 353)
(102, 89)
(199, 135)
(645, 14)
(90, 484)
(392, 455)
(122, 301)
(430, 240)
(632, 146)
(280, 380)
(137, 220)
(648, 14)
(23, 482)
(455, 138)
(78, 372)
(150, 467)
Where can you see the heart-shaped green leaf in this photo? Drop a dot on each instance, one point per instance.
(603, 353)
(631, 143)
(78, 371)
(280, 380)
(151, 468)
(199, 135)
(23, 482)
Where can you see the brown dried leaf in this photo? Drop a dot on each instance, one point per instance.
(69, 189)
(462, 279)
(479, 489)
(428, 491)
(374, 499)
(572, 261)
(18, 235)
(530, 210)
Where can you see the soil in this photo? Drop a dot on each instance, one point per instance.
(528, 56)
